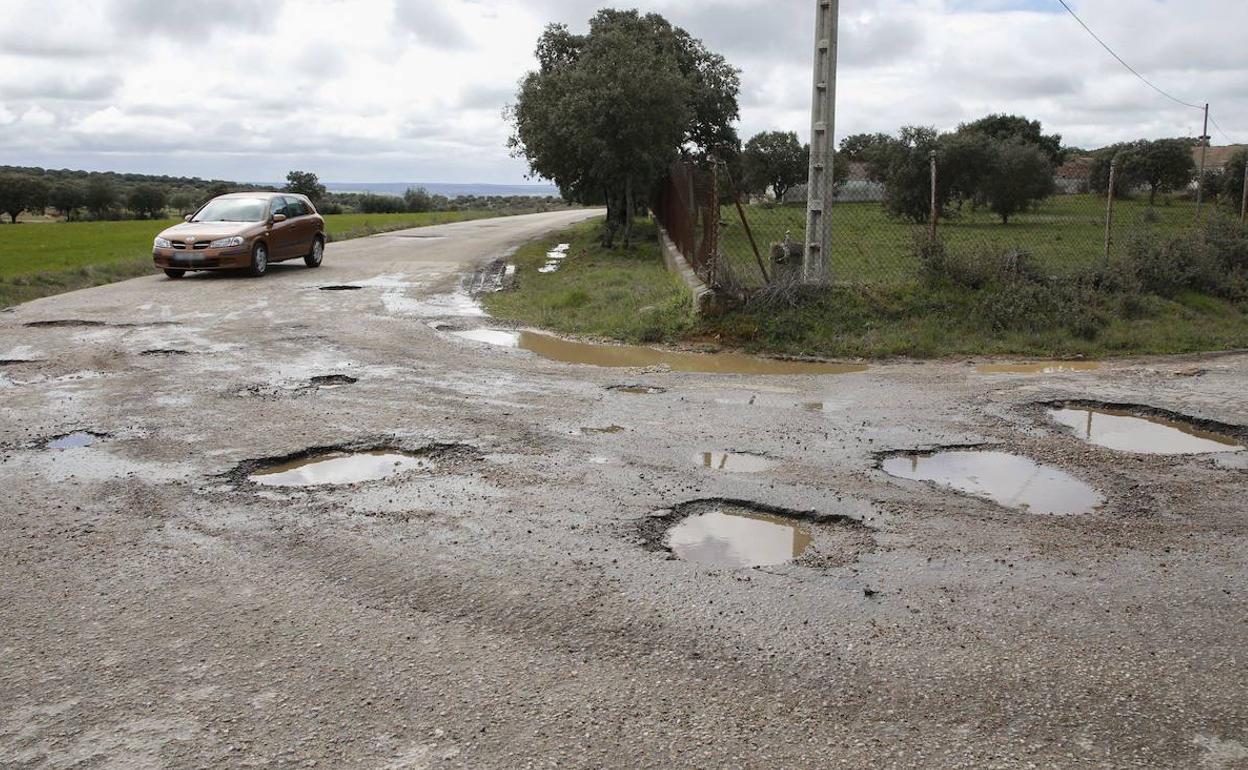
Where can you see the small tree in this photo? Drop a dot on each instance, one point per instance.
(1098, 174)
(1163, 165)
(1005, 127)
(418, 200)
(14, 195)
(776, 160)
(66, 198)
(904, 166)
(147, 201)
(855, 148)
(101, 197)
(1233, 180)
(305, 183)
(1020, 175)
(966, 160)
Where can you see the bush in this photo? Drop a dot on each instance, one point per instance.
(1212, 258)
(977, 269)
(382, 204)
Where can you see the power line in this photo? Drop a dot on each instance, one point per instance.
(1228, 139)
(1123, 62)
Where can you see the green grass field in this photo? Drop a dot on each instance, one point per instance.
(38, 259)
(1065, 233)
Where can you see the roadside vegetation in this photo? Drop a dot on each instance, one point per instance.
(1187, 292)
(623, 293)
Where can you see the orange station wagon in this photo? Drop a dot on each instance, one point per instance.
(243, 230)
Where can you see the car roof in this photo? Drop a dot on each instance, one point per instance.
(260, 195)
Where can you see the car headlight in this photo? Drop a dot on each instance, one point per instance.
(162, 243)
(225, 243)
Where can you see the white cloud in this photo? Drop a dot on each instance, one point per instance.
(412, 90)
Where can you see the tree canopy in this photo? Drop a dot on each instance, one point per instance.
(776, 160)
(1005, 127)
(305, 183)
(606, 113)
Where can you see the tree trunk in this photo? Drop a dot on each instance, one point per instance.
(628, 213)
(1152, 196)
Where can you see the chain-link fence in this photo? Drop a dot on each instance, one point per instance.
(1067, 213)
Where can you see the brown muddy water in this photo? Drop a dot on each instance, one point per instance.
(1123, 431)
(1042, 367)
(735, 538)
(733, 462)
(1008, 480)
(594, 354)
(338, 468)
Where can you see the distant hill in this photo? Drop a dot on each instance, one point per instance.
(447, 189)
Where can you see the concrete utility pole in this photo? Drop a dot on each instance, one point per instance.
(817, 266)
(1204, 152)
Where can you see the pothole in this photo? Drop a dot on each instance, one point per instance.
(1042, 367)
(63, 323)
(637, 390)
(76, 440)
(735, 534)
(607, 429)
(17, 361)
(733, 462)
(633, 356)
(343, 287)
(344, 465)
(164, 352)
(333, 380)
(1009, 480)
(1143, 430)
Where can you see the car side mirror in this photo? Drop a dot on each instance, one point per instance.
(186, 218)
(279, 218)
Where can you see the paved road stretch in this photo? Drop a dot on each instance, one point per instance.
(509, 604)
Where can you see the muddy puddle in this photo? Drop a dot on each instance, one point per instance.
(734, 537)
(339, 468)
(1008, 480)
(593, 354)
(75, 440)
(1042, 367)
(733, 462)
(1124, 431)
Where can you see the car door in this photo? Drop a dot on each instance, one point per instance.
(305, 226)
(281, 234)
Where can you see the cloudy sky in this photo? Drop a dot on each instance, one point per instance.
(413, 90)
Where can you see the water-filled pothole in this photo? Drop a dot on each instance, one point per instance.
(1009, 480)
(616, 356)
(1043, 367)
(1138, 432)
(733, 534)
(76, 440)
(733, 462)
(344, 465)
(344, 287)
(338, 468)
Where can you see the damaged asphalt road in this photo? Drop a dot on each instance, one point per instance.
(511, 604)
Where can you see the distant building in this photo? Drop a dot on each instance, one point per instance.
(1074, 177)
(1217, 158)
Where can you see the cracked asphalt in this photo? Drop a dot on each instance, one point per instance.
(507, 609)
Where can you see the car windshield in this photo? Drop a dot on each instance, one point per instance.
(232, 210)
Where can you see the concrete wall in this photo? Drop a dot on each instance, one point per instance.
(703, 297)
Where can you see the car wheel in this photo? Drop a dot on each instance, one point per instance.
(314, 257)
(174, 274)
(259, 260)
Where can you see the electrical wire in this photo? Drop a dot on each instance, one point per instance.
(1123, 62)
(1228, 139)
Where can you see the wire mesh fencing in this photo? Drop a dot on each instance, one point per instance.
(1066, 217)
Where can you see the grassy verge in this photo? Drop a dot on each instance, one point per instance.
(1065, 234)
(625, 294)
(39, 259)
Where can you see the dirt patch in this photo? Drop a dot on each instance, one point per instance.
(731, 534)
(445, 456)
(637, 390)
(600, 431)
(290, 390)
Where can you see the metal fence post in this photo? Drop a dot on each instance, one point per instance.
(935, 213)
(1109, 209)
